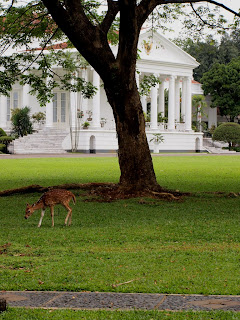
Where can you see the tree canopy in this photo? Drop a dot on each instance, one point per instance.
(222, 82)
(209, 51)
(228, 132)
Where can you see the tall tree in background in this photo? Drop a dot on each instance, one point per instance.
(88, 32)
(222, 82)
(209, 51)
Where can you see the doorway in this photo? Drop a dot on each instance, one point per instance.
(92, 146)
(60, 109)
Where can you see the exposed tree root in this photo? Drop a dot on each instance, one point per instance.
(102, 192)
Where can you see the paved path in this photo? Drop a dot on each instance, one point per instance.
(127, 301)
(93, 155)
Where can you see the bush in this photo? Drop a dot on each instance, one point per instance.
(2, 148)
(228, 132)
(2, 132)
(21, 122)
(4, 141)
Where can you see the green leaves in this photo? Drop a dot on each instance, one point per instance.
(146, 84)
(223, 83)
(228, 132)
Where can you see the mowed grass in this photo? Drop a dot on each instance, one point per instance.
(30, 314)
(183, 247)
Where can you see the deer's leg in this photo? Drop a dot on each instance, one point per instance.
(52, 215)
(69, 215)
(42, 215)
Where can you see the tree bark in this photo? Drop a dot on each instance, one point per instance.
(135, 160)
(118, 76)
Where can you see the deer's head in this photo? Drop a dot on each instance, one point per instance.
(29, 211)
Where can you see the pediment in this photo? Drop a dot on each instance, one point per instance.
(155, 47)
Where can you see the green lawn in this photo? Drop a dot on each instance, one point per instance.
(29, 314)
(164, 247)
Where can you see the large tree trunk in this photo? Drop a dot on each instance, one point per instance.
(135, 160)
(118, 75)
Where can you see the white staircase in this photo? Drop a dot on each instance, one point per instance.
(43, 141)
(215, 147)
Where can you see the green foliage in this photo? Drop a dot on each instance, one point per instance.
(161, 118)
(6, 139)
(2, 148)
(208, 51)
(147, 117)
(39, 117)
(2, 132)
(147, 83)
(227, 132)
(86, 124)
(21, 123)
(222, 82)
(157, 138)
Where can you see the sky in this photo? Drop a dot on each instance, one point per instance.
(177, 28)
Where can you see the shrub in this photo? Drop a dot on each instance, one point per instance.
(2, 148)
(228, 132)
(21, 122)
(2, 132)
(4, 141)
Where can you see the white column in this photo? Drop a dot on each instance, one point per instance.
(49, 113)
(25, 95)
(177, 100)
(188, 116)
(154, 124)
(3, 111)
(144, 103)
(161, 99)
(85, 75)
(73, 107)
(183, 103)
(96, 102)
(171, 104)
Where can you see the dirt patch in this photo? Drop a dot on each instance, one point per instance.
(102, 192)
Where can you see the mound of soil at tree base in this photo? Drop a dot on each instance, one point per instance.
(102, 192)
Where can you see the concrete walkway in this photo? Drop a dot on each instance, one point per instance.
(93, 155)
(123, 301)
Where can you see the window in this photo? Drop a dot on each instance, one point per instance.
(63, 107)
(55, 107)
(13, 102)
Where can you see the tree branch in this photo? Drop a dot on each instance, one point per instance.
(10, 7)
(203, 21)
(113, 9)
(43, 48)
(146, 7)
(196, 1)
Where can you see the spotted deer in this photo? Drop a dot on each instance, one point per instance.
(50, 199)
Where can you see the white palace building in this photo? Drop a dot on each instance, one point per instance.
(63, 128)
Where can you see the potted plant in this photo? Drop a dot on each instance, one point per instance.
(86, 125)
(39, 118)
